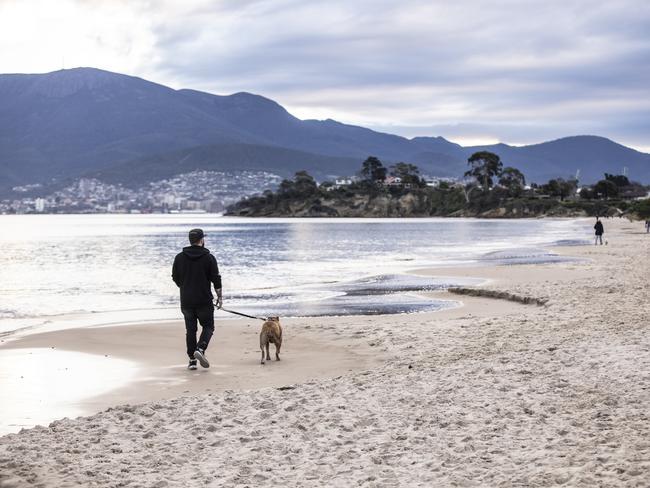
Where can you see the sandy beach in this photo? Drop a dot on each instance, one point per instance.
(492, 393)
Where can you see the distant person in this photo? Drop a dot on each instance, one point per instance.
(647, 226)
(194, 270)
(600, 230)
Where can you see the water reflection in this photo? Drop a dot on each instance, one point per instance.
(38, 386)
(63, 264)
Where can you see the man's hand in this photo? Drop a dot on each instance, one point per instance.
(219, 301)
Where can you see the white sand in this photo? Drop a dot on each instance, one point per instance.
(44, 377)
(492, 394)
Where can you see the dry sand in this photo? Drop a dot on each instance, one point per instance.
(490, 394)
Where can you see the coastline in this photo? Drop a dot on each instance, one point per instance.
(71, 296)
(151, 365)
(490, 393)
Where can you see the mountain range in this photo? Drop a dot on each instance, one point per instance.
(89, 122)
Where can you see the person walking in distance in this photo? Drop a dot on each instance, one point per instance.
(598, 227)
(194, 271)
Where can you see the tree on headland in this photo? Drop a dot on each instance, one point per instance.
(285, 186)
(587, 193)
(618, 180)
(372, 170)
(606, 189)
(614, 186)
(408, 173)
(512, 179)
(303, 184)
(559, 187)
(484, 166)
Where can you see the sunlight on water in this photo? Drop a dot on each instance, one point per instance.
(52, 378)
(64, 264)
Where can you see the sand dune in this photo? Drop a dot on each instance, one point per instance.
(492, 394)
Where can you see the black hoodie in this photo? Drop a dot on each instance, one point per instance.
(599, 228)
(193, 271)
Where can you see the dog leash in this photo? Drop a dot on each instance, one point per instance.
(243, 314)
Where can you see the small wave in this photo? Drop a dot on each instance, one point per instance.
(345, 305)
(524, 256)
(398, 283)
(7, 314)
(572, 242)
(371, 295)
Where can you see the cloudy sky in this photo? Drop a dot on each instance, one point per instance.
(473, 71)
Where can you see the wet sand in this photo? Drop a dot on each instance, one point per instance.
(82, 371)
(494, 393)
(74, 372)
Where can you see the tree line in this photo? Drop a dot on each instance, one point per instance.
(488, 185)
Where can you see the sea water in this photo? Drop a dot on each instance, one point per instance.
(98, 269)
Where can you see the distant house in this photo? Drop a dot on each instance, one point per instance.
(435, 181)
(393, 181)
(342, 182)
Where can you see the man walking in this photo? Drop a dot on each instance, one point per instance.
(598, 227)
(194, 270)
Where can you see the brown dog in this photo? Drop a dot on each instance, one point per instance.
(271, 333)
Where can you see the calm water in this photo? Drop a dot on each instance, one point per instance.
(117, 267)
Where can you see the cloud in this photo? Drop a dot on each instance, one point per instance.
(41, 36)
(511, 70)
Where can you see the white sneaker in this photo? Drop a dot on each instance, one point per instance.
(192, 365)
(200, 355)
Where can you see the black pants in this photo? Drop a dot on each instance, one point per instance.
(205, 315)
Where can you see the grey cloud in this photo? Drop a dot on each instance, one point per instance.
(534, 66)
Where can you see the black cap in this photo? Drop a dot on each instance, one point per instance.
(196, 235)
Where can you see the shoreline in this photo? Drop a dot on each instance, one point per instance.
(104, 306)
(314, 351)
(120, 317)
(152, 366)
(493, 393)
